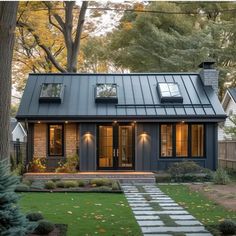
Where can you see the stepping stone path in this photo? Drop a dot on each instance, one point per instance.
(158, 215)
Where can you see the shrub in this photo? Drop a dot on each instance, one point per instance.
(221, 177)
(115, 186)
(227, 227)
(60, 184)
(35, 216)
(70, 184)
(22, 188)
(27, 182)
(81, 183)
(44, 227)
(104, 188)
(180, 170)
(70, 166)
(163, 178)
(37, 165)
(101, 182)
(49, 185)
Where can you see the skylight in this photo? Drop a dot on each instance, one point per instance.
(169, 92)
(106, 93)
(51, 92)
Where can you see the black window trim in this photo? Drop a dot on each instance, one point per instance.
(113, 99)
(189, 156)
(63, 144)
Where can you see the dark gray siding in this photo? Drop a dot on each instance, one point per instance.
(87, 151)
(148, 149)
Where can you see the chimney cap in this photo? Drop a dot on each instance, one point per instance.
(207, 64)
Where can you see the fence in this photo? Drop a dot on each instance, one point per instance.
(227, 154)
(18, 152)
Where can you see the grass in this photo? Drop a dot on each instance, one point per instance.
(85, 213)
(205, 210)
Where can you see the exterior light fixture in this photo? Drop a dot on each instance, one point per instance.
(39, 122)
(115, 121)
(66, 121)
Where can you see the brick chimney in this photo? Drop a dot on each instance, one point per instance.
(209, 74)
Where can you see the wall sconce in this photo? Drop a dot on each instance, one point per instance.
(39, 122)
(115, 121)
(66, 121)
(87, 136)
(144, 136)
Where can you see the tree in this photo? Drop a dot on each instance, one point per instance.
(70, 31)
(12, 222)
(8, 11)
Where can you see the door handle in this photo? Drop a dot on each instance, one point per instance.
(117, 152)
(114, 152)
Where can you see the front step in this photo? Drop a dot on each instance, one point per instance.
(123, 177)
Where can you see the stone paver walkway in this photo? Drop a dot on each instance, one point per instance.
(157, 214)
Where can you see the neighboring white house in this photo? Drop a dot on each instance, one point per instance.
(17, 131)
(229, 106)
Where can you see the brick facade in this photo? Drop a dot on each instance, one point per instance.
(40, 140)
(71, 139)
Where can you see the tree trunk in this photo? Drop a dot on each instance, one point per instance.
(8, 11)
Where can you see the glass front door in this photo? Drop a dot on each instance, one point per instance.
(115, 147)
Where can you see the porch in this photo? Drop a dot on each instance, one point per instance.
(123, 177)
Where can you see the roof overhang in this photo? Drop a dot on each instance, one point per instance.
(99, 119)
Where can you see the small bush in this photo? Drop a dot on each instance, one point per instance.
(60, 184)
(181, 170)
(81, 183)
(227, 227)
(101, 182)
(27, 182)
(104, 188)
(70, 184)
(22, 188)
(44, 227)
(37, 165)
(35, 216)
(221, 176)
(70, 166)
(115, 186)
(49, 185)
(163, 178)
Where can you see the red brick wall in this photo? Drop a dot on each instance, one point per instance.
(40, 140)
(70, 139)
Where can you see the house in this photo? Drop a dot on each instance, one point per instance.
(229, 106)
(138, 122)
(17, 131)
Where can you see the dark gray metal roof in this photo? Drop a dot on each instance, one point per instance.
(232, 92)
(137, 98)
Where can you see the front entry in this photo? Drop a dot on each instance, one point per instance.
(115, 147)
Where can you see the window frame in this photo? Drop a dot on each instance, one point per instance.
(113, 99)
(57, 99)
(189, 154)
(169, 99)
(63, 140)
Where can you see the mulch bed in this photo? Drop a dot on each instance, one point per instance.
(60, 230)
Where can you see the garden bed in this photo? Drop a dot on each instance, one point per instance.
(72, 186)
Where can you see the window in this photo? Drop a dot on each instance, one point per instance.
(169, 92)
(181, 140)
(106, 93)
(56, 140)
(166, 140)
(197, 140)
(51, 92)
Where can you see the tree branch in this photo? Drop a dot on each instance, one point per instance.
(40, 44)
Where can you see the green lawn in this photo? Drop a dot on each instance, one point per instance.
(85, 213)
(205, 210)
